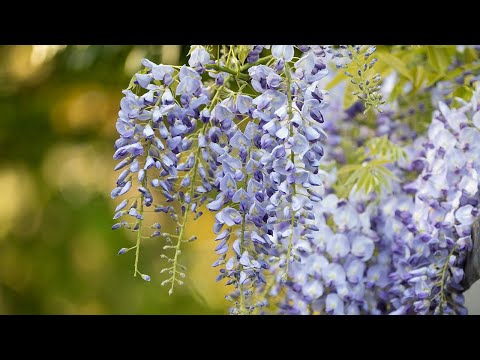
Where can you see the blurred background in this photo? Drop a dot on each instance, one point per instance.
(58, 107)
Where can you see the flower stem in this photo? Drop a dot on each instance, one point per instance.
(239, 73)
(142, 198)
(242, 249)
(443, 278)
(227, 70)
(137, 250)
(242, 245)
(184, 221)
(258, 62)
(292, 159)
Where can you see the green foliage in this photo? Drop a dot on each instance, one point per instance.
(382, 147)
(56, 244)
(242, 52)
(424, 66)
(369, 172)
(417, 67)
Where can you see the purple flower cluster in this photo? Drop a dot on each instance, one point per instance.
(159, 132)
(267, 175)
(251, 157)
(404, 253)
(428, 220)
(344, 268)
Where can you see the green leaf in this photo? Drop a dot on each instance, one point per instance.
(383, 180)
(396, 63)
(384, 171)
(362, 182)
(470, 55)
(369, 184)
(242, 53)
(433, 78)
(438, 58)
(397, 89)
(378, 162)
(462, 92)
(348, 98)
(419, 78)
(348, 168)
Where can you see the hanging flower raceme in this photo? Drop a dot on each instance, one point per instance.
(429, 220)
(270, 164)
(344, 268)
(294, 136)
(240, 203)
(161, 132)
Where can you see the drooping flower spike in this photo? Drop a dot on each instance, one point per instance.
(258, 147)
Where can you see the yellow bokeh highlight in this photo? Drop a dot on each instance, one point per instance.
(89, 255)
(17, 196)
(30, 64)
(86, 107)
(170, 54)
(79, 167)
(133, 60)
(42, 53)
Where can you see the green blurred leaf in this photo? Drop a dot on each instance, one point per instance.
(419, 78)
(349, 99)
(470, 55)
(396, 63)
(348, 168)
(438, 58)
(242, 53)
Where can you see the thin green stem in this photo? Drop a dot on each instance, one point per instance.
(142, 198)
(242, 249)
(230, 52)
(292, 159)
(239, 73)
(219, 90)
(184, 221)
(261, 61)
(242, 245)
(191, 190)
(443, 278)
(227, 70)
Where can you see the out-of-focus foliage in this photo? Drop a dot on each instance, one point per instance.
(57, 250)
(409, 73)
(412, 70)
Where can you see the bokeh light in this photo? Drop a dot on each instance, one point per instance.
(57, 249)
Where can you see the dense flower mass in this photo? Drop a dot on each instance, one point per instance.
(160, 143)
(271, 165)
(428, 220)
(250, 134)
(344, 269)
(182, 137)
(406, 254)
